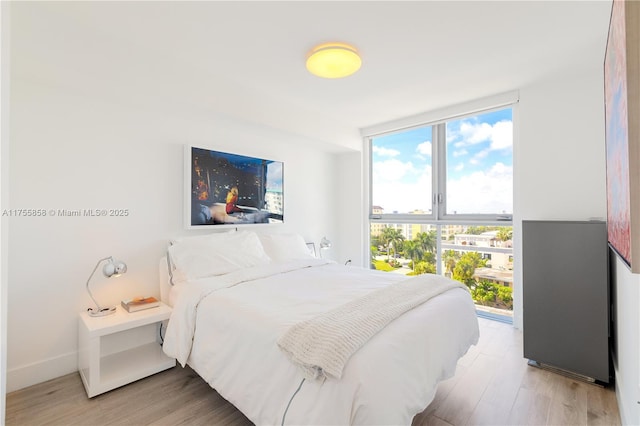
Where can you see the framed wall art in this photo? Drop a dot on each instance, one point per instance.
(622, 131)
(231, 189)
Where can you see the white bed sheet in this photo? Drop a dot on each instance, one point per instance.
(389, 380)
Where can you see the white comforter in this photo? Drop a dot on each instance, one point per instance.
(226, 328)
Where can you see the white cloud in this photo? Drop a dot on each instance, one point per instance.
(385, 152)
(424, 148)
(481, 154)
(393, 193)
(500, 169)
(474, 133)
(482, 192)
(502, 135)
(390, 170)
(404, 186)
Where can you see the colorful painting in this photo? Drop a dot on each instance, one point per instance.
(620, 147)
(231, 189)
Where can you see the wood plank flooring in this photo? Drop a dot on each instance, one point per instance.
(493, 385)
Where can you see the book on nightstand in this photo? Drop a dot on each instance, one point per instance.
(140, 303)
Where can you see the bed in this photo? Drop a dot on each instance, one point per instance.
(235, 296)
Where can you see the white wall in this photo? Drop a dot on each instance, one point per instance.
(4, 188)
(352, 213)
(69, 151)
(626, 332)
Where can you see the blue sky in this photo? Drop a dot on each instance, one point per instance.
(477, 143)
(479, 166)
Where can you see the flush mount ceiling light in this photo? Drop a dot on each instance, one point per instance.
(333, 60)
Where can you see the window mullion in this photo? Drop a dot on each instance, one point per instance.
(440, 174)
(439, 250)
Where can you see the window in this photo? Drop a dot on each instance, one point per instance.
(469, 162)
(402, 172)
(478, 165)
(441, 201)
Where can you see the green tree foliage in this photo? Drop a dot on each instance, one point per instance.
(394, 263)
(476, 230)
(413, 251)
(375, 241)
(422, 253)
(426, 241)
(450, 258)
(391, 238)
(429, 257)
(385, 237)
(381, 265)
(396, 240)
(424, 268)
(492, 294)
(466, 267)
(505, 296)
(421, 250)
(505, 233)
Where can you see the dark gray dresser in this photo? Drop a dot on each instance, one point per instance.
(566, 296)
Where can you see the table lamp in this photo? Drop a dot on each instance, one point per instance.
(324, 244)
(113, 268)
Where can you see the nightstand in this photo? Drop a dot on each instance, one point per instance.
(121, 348)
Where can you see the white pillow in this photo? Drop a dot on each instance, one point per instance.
(216, 254)
(283, 247)
(191, 242)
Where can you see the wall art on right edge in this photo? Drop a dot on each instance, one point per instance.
(622, 131)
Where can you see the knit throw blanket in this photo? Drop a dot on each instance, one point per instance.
(321, 346)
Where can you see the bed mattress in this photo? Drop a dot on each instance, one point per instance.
(226, 329)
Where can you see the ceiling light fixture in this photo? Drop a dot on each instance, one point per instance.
(333, 60)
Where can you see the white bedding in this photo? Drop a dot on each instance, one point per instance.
(227, 331)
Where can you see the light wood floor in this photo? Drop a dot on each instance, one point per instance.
(493, 385)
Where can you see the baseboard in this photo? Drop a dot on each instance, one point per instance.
(621, 406)
(627, 402)
(38, 372)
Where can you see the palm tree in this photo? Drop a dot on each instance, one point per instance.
(505, 233)
(427, 241)
(385, 238)
(413, 250)
(396, 239)
(450, 257)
